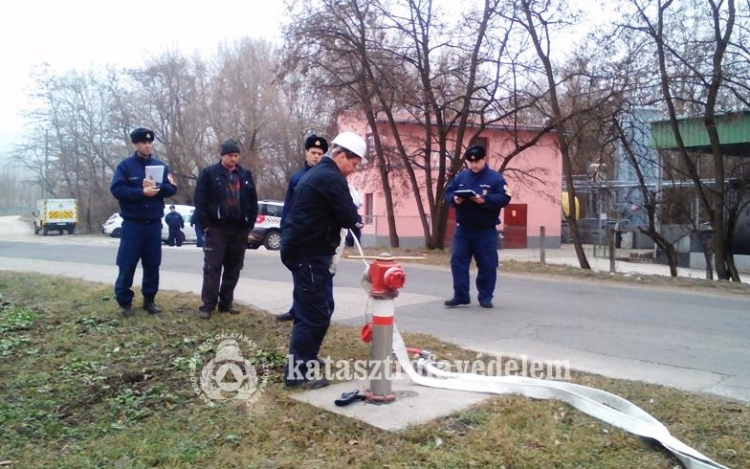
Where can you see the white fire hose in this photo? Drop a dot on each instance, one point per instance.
(602, 405)
(596, 403)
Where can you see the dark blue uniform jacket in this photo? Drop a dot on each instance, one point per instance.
(211, 193)
(127, 187)
(489, 184)
(174, 220)
(322, 205)
(296, 177)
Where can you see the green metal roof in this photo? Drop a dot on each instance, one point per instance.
(733, 128)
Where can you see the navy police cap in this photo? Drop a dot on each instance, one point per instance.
(142, 135)
(313, 141)
(474, 153)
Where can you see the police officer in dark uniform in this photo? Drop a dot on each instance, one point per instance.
(198, 231)
(141, 208)
(315, 148)
(311, 233)
(175, 223)
(478, 193)
(226, 204)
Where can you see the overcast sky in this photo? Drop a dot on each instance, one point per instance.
(80, 34)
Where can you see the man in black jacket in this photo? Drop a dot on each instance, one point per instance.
(312, 232)
(226, 205)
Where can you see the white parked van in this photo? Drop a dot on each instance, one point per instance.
(55, 215)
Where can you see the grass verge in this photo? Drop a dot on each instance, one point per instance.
(83, 388)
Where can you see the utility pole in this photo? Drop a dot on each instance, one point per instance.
(46, 163)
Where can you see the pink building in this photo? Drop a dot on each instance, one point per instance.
(534, 177)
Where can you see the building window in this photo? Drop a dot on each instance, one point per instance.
(367, 219)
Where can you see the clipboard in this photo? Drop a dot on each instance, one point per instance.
(155, 173)
(465, 193)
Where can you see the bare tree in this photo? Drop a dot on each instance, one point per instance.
(453, 101)
(537, 17)
(71, 153)
(301, 110)
(245, 102)
(651, 197)
(169, 99)
(691, 69)
(330, 42)
(401, 63)
(82, 121)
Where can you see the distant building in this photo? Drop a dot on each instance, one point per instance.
(628, 196)
(733, 129)
(534, 177)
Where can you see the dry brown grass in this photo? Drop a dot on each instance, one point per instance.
(83, 388)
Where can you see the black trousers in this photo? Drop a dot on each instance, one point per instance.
(175, 236)
(139, 241)
(312, 314)
(223, 258)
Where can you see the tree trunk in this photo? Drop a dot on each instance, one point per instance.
(383, 171)
(558, 119)
(718, 194)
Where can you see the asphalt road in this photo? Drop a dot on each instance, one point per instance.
(694, 341)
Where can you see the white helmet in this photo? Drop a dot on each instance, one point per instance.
(352, 142)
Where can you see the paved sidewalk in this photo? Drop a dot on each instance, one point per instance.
(13, 228)
(566, 255)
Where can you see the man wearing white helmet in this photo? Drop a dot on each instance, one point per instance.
(312, 231)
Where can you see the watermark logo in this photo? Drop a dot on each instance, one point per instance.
(230, 374)
(364, 370)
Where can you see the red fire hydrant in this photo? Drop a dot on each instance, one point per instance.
(386, 278)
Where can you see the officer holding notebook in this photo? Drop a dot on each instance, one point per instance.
(140, 185)
(477, 193)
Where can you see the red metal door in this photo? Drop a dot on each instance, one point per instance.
(514, 226)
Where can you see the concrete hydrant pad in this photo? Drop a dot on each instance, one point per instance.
(413, 405)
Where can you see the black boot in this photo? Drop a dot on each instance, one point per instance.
(285, 317)
(455, 302)
(228, 309)
(151, 307)
(204, 312)
(288, 316)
